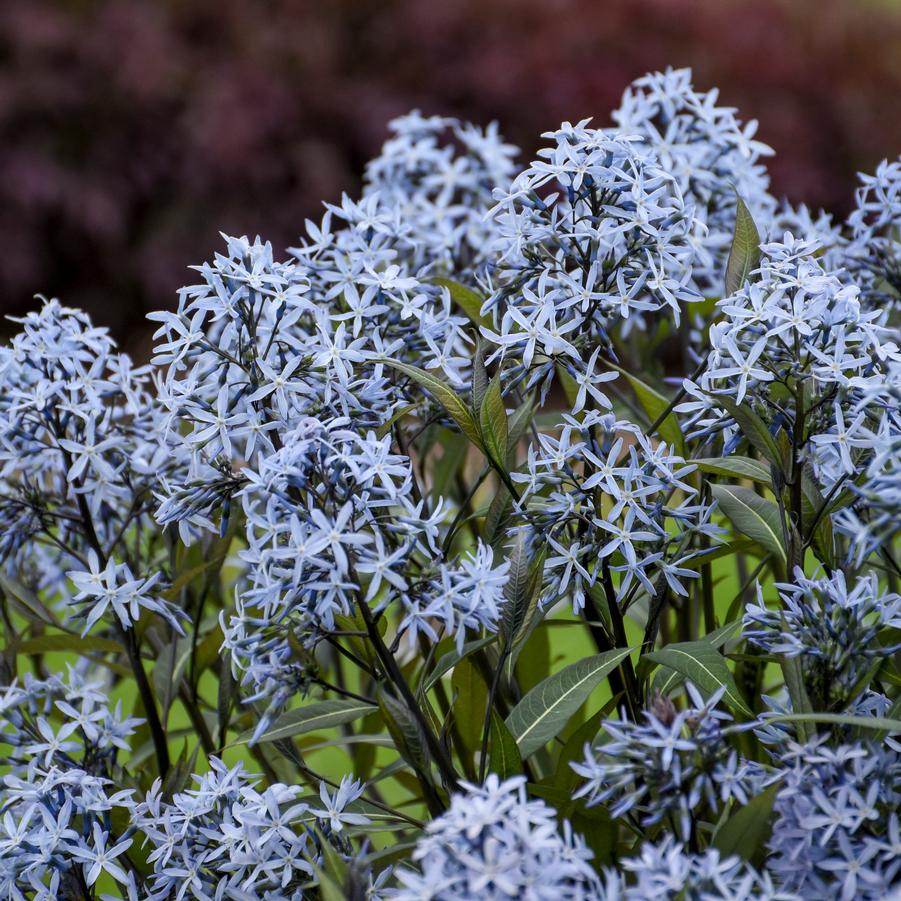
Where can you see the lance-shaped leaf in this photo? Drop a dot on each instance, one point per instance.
(505, 759)
(522, 587)
(753, 428)
(444, 394)
(704, 667)
(753, 516)
(545, 710)
(744, 255)
(493, 423)
(479, 376)
(735, 467)
(310, 717)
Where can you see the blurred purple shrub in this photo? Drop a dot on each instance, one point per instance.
(130, 130)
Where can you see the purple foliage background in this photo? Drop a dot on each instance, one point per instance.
(132, 131)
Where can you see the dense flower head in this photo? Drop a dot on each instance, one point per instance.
(224, 838)
(59, 792)
(440, 190)
(592, 234)
(369, 499)
(874, 249)
(834, 629)
(674, 765)
(708, 151)
(494, 843)
(78, 429)
(798, 341)
(836, 833)
(607, 500)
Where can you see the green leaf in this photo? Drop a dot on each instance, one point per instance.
(466, 299)
(479, 376)
(745, 832)
(753, 428)
(310, 717)
(406, 732)
(744, 255)
(493, 423)
(704, 666)
(753, 516)
(48, 643)
(666, 679)
(655, 405)
(812, 503)
(505, 759)
(470, 701)
(735, 467)
(522, 587)
(444, 394)
(543, 712)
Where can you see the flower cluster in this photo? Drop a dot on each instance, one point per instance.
(707, 151)
(593, 233)
(833, 629)
(59, 797)
(369, 499)
(494, 843)
(676, 766)
(225, 839)
(605, 500)
(836, 833)
(441, 196)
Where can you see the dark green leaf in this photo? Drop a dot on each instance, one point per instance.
(545, 710)
(744, 255)
(505, 759)
(444, 394)
(493, 423)
(735, 467)
(703, 666)
(753, 516)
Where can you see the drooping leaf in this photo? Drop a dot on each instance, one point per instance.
(704, 667)
(744, 255)
(444, 394)
(753, 516)
(310, 717)
(544, 711)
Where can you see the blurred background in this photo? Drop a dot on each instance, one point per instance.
(133, 131)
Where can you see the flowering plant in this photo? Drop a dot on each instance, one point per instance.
(523, 533)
